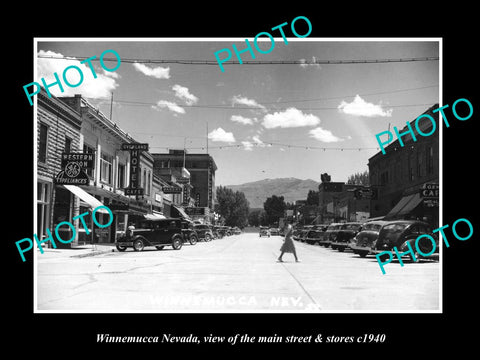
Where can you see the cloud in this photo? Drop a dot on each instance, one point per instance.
(90, 87)
(221, 135)
(243, 120)
(304, 64)
(324, 135)
(237, 99)
(183, 93)
(289, 118)
(362, 108)
(161, 104)
(156, 72)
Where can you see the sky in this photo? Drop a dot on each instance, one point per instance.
(261, 121)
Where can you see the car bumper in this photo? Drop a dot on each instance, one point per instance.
(124, 243)
(340, 244)
(361, 248)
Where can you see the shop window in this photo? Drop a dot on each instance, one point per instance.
(42, 145)
(106, 165)
(43, 195)
(121, 176)
(68, 144)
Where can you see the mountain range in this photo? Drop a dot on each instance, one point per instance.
(291, 189)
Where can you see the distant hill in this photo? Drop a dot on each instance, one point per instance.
(291, 189)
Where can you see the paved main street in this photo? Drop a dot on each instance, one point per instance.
(236, 273)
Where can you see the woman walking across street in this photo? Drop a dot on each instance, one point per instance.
(288, 245)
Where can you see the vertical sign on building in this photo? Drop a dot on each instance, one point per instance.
(135, 152)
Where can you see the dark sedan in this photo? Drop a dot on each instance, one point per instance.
(329, 234)
(400, 232)
(204, 232)
(364, 242)
(313, 236)
(344, 235)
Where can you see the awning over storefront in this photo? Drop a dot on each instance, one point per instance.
(154, 216)
(404, 206)
(86, 197)
(182, 213)
(414, 201)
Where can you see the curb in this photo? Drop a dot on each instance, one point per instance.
(93, 253)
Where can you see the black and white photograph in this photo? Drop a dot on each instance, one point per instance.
(237, 187)
(300, 179)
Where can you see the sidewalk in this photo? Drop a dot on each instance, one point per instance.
(77, 251)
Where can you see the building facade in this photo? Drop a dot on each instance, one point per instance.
(199, 192)
(110, 174)
(58, 132)
(403, 173)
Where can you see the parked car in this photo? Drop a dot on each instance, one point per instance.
(313, 236)
(204, 232)
(303, 235)
(364, 242)
(217, 234)
(158, 233)
(397, 233)
(189, 233)
(264, 231)
(274, 231)
(345, 234)
(296, 233)
(325, 239)
(236, 230)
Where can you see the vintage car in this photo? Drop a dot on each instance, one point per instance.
(344, 235)
(313, 236)
(364, 242)
(158, 233)
(326, 237)
(236, 230)
(189, 232)
(274, 231)
(400, 232)
(204, 232)
(264, 231)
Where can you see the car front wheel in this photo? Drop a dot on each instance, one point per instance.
(208, 237)
(193, 240)
(138, 245)
(121, 248)
(177, 243)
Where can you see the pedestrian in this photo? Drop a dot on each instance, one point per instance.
(288, 245)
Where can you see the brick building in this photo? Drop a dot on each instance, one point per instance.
(402, 173)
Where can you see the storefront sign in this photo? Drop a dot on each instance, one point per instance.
(430, 191)
(85, 160)
(171, 190)
(182, 180)
(195, 210)
(135, 152)
(140, 147)
(368, 193)
(73, 165)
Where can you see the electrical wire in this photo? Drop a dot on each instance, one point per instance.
(249, 62)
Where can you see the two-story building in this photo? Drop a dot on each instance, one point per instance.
(403, 173)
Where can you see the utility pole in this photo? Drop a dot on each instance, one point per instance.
(207, 137)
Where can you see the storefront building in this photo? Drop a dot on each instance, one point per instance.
(110, 173)
(407, 178)
(58, 132)
(201, 169)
